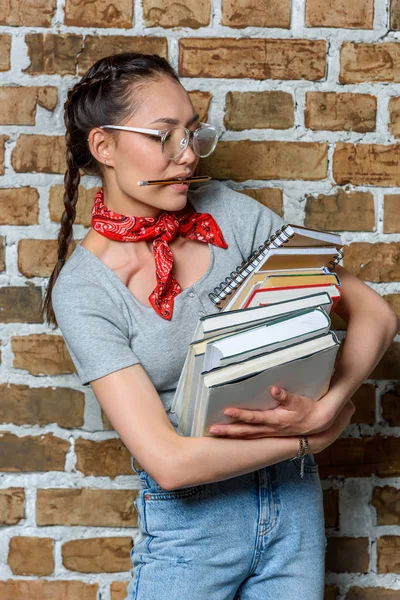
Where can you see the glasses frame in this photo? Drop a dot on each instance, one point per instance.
(162, 133)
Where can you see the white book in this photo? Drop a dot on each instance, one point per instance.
(292, 328)
(304, 368)
(210, 326)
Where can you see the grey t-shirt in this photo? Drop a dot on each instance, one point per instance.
(106, 328)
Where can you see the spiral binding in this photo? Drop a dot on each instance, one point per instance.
(229, 285)
(336, 260)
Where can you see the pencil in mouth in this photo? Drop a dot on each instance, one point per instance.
(174, 181)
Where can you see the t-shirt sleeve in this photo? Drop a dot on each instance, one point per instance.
(94, 328)
(252, 222)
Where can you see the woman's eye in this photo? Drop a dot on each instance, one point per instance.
(154, 137)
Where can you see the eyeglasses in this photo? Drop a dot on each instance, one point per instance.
(175, 141)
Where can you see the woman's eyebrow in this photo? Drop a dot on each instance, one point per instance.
(174, 121)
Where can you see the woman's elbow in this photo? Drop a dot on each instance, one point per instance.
(392, 323)
(169, 469)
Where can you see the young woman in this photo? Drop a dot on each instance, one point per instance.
(225, 516)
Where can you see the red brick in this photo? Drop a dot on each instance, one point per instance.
(20, 304)
(267, 160)
(19, 206)
(391, 214)
(83, 206)
(41, 354)
(394, 112)
(201, 102)
(22, 405)
(388, 367)
(99, 46)
(270, 197)
(25, 14)
(37, 258)
(390, 403)
(47, 590)
(366, 164)
(52, 54)
(386, 501)
(371, 593)
(331, 592)
(98, 555)
(255, 58)
(19, 103)
(388, 549)
(347, 555)
(89, 508)
(373, 262)
(340, 112)
(331, 508)
(343, 211)
(349, 15)
(39, 154)
(395, 14)
(107, 458)
(364, 400)
(118, 590)
(99, 14)
(162, 13)
(252, 13)
(361, 457)
(3, 139)
(369, 62)
(40, 453)
(31, 556)
(5, 52)
(2, 255)
(12, 506)
(259, 110)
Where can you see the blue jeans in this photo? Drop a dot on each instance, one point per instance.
(259, 536)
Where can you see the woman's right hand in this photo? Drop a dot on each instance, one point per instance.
(319, 441)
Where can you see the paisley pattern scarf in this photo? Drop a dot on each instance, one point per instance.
(195, 226)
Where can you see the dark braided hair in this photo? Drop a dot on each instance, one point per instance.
(108, 93)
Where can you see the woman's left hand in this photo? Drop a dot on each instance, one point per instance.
(295, 415)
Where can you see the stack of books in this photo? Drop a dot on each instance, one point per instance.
(273, 329)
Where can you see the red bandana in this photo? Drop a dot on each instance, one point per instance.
(193, 225)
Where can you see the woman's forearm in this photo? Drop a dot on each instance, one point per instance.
(368, 336)
(197, 460)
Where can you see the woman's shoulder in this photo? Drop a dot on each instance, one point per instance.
(82, 281)
(233, 207)
(219, 196)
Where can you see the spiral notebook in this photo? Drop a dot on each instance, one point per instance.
(289, 235)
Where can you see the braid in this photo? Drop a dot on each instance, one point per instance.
(71, 184)
(107, 93)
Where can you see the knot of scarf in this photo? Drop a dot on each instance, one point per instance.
(196, 226)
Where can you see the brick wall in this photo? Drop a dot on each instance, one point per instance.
(307, 91)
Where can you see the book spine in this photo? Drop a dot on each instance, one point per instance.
(232, 282)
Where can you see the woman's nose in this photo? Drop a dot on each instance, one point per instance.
(187, 156)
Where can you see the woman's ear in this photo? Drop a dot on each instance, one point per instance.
(101, 145)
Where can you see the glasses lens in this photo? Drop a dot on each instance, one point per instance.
(175, 142)
(204, 141)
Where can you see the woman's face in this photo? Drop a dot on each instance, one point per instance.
(137, 156)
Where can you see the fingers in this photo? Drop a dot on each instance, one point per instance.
(247, 416)
(242, 431)
(269, 418)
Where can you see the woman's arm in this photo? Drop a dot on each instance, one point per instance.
(134, 408)
(372, 325)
